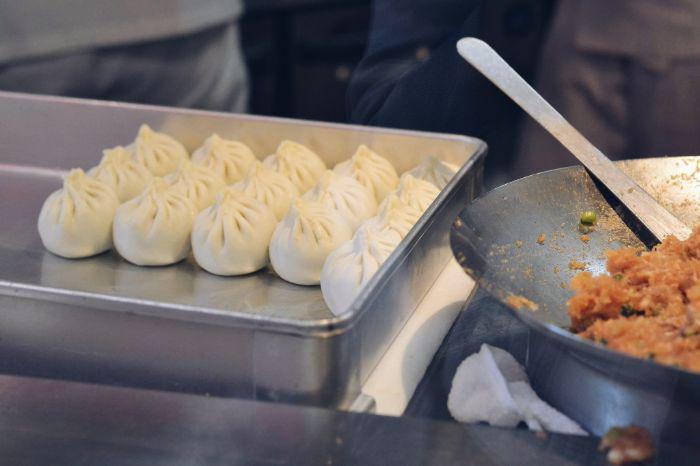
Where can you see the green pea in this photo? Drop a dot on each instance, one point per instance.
(588, 217)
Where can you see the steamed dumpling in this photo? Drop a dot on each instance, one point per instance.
(298, 163)
(435, 171)
(154, 227)
(231, 159)
(269, 187)
(416, 192)
(395, 214)
(118, 170)
(353, 264)
(158, 152)
(76, 220)
(303, 240)
(372, 170)
(197, 182)
(232, 236)
(347, 196)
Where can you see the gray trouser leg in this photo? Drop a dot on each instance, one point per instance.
(202, 70)
(627, 106)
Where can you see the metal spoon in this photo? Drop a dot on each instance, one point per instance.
(660, 222)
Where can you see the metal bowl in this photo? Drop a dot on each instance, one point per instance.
(495, 239)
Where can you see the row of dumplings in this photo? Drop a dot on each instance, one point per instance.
(155, 204)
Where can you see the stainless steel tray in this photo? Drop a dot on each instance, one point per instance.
(180, 328)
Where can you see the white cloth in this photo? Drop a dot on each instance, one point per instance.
(490, 386)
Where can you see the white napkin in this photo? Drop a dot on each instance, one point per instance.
(491, 386)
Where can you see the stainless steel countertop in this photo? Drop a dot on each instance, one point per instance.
(67, 423)
(51, 422)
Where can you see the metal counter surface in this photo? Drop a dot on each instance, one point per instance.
(68, 423)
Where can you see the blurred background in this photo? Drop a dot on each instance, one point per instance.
(300, 56)
(621, 71)
(302, 53)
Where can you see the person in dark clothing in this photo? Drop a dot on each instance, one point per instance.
(411, 50)
(411, 76)
(622, 72)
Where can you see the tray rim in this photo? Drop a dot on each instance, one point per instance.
(476, 142)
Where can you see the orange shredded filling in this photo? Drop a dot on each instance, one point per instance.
(647, 305)
(519, 302)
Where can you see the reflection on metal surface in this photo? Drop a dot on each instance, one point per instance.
(63, 423)
(180, 328)
(363, 404)
(495, 240)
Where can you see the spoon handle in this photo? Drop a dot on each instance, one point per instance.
(660, 222)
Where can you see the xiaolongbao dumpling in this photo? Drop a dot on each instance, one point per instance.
(394, 214)
(303, 240)
(154, 227)
(435, 171)
(231, 159)
(197, 182)
(353, 264)
(269, 187)
(118, 170)
(416, 192)
(158, 152)
(76, 220)
(347, 196)
(232, 236)
(298, 163)
(372, 170)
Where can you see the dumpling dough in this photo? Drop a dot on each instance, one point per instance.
(154, 228)
(298, 163)
(76, 220)
(230, 159)
(353, 264)
(197, 182)
(435, 171)
(269, 187)
(303, 240)
(347, 196)
(158, 152)
(416, 192)
(395, 214)
(372, 170)
(232, 236)
(121, 173)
